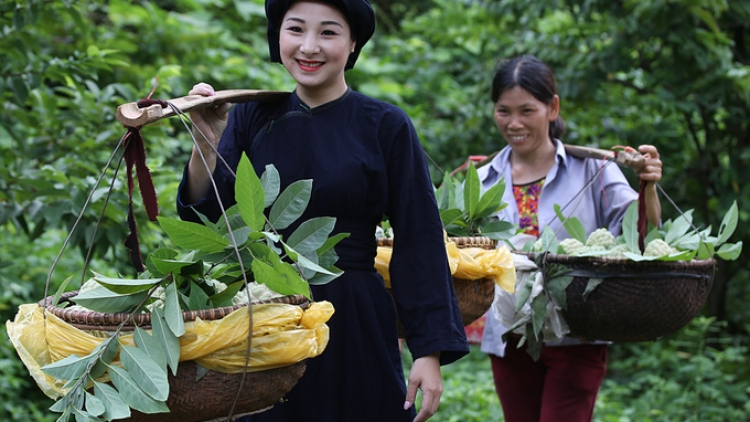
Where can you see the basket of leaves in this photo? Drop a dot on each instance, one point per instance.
(235, 286)
(466, 213)
(603, 287)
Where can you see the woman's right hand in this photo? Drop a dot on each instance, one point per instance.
(208, 125)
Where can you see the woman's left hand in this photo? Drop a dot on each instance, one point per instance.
(651, 171)
(425, 375)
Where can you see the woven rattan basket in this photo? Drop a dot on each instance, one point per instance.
(474, 296)
(211, 397)
(637, 301)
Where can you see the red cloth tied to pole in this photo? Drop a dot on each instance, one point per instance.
(135, 156)
(642, 217)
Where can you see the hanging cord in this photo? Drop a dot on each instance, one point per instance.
(80, 217)
(185, 119)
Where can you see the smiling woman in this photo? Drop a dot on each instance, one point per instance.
(365, 160)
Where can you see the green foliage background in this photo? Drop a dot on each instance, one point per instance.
(671, 73)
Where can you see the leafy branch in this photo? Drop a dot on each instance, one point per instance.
(207, 256)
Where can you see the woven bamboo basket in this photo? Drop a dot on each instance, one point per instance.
(637, 301)
(213, 395)
(474, 296)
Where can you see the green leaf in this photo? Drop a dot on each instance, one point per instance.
(151, 346)
(499, 230)
(491, 200)
(60, 290)
(172, 310)
(678, 228)
(278, 276)
(449, 216)
(249, 194)
(189, 235)
(557, 288)
(331, 242)
(524, 292)
(172, 265)
(572, 225)
(146, 372)
(271, 183)
(539, 306)
(126, 286)
(94, 406)
(101, 299)
(198, 298)
(590, 286)
(630, 227)
(115, 407)
(132, 394)
(291, 204)
(70, 368)
(170, 343)
(311, 234)
(728, 224)
(225, 297)
(730, 251)
(472, 188)
(161, 254)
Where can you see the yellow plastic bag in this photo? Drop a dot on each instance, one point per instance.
(282, 335)
(465, 263)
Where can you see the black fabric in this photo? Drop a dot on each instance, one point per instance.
(365, 160)
(358, 13)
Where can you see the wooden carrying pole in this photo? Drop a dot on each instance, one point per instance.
(132, 115)
(632, 159)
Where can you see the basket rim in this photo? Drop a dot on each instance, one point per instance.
(460, 241)
(560, 258)
(100, 319)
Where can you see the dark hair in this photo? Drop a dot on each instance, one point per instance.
(533, 76)
(359, 14)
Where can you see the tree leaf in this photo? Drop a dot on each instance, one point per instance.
(557, 288)
(115, 407)
(146, 372)
(728, 224)
(572, 225)
(101, 299)
(249, 194)
(189, 235)
(539, 306)
(172, 310)
(730, 251)
(630, 227)
(151, 346)
(291, 204)
(311, 234)
(172, 265)
(132, 394)
(679, 227)
(271, 183)
(449, 216)
(278, 276)
(491, 200)
(170, 343)
(94, 406)
(69, 368)
(161, 254)
(471, 192)
(198, 298)
(590, 286)
(126, 286)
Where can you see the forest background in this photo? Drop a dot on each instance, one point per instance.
(673, 73)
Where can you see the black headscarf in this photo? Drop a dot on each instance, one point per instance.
(358, 13)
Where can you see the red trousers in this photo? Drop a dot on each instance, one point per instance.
(561, 386)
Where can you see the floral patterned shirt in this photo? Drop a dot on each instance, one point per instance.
(527, 199)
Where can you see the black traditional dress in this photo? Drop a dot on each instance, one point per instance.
(365, 160)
